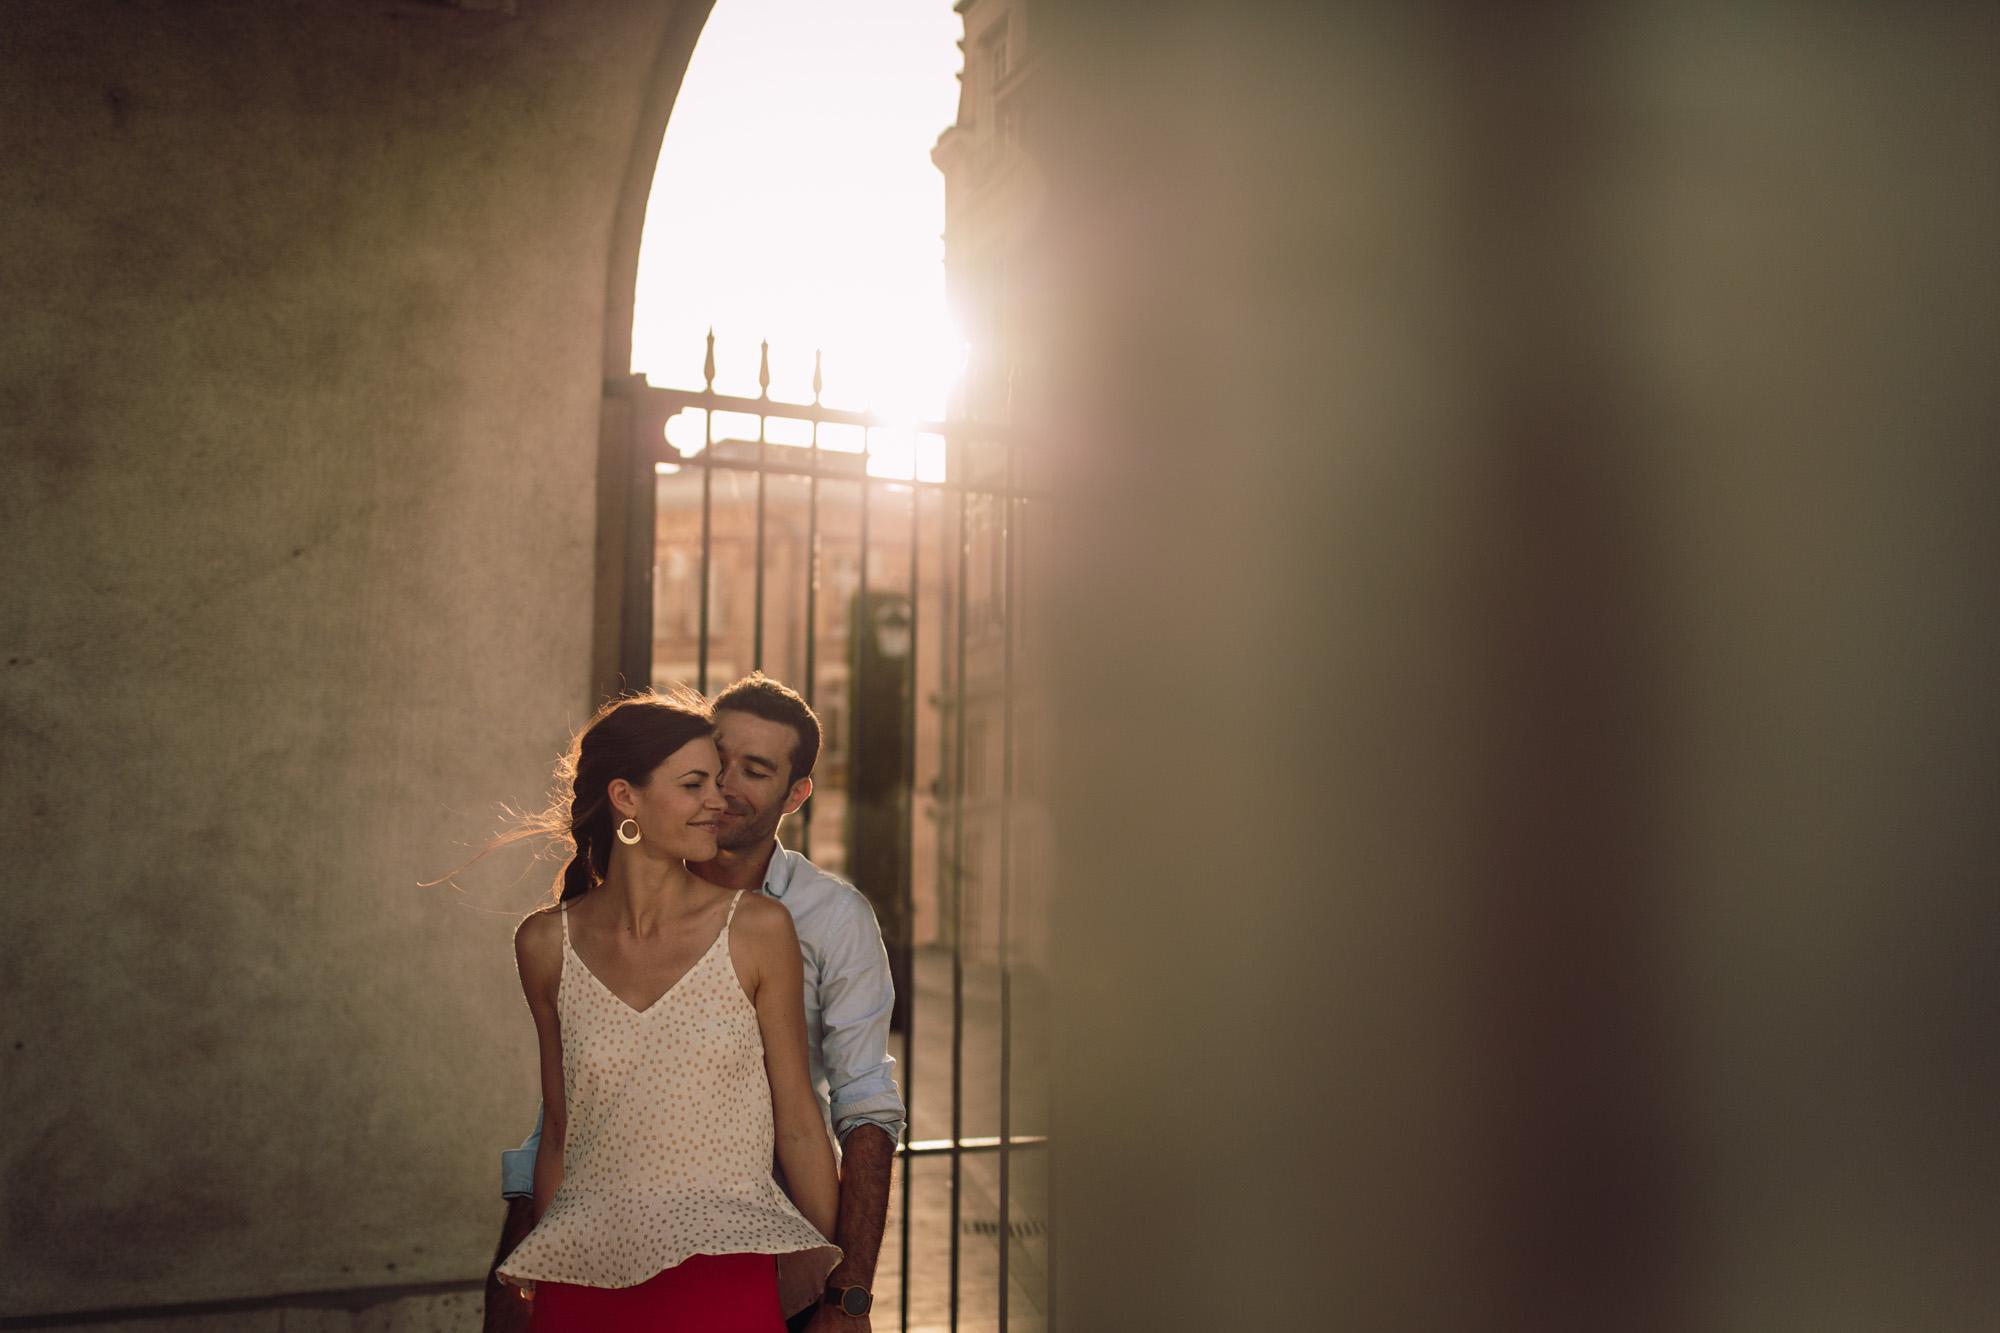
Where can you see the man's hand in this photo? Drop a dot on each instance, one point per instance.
(507, 1306)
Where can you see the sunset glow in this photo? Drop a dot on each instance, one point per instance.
(795, 201)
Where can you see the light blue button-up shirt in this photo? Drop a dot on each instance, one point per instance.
(848, 998)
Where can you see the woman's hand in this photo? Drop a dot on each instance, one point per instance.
(507, 1300)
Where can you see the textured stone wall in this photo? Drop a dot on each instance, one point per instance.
(299, 381)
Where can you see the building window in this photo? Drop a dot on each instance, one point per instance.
(718, 596)
(993, 50)
(832, 712)
(994, 43)
(843, 580)
(676, 604)
(972, 889)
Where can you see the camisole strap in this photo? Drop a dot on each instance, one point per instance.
(732, 911)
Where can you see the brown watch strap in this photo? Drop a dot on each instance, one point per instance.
(836, 1297)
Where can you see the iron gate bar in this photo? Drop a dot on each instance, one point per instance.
(973, 1143)
(656, 397)
(964, 535)
(635, 636)
(857, 657)
(707, 506)
(906, 946)
(757, 602)
(947, 869)
(812, 591)
(1005, 555)
(788, 469)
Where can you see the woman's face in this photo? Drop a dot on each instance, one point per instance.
(678, 807)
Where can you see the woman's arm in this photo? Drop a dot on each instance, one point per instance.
(805, 1154)
(538, 952)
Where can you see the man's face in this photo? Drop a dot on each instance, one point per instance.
(756, 778)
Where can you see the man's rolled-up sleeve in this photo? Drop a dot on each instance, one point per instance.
(517, 1165)
(856, 996)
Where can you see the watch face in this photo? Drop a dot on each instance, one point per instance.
(856, 1301)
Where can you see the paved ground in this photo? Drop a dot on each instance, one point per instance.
(927, 1079)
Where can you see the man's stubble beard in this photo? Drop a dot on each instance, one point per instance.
(753, 832)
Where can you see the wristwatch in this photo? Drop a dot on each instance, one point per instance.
(853, 1301)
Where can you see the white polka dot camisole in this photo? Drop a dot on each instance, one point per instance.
(670, 1137)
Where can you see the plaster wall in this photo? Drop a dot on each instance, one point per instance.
(299, 385)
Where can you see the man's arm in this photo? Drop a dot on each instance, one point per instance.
(865, 1168)
(856, 996)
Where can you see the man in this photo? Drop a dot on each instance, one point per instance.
(769, 740)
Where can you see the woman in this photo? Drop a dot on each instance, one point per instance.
(671, 1024)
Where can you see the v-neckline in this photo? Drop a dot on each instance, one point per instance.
(626, 1004)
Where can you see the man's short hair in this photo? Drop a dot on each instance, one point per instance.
(760, 696)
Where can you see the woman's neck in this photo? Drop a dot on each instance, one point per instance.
(642, 892)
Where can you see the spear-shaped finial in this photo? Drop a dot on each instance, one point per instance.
(708, 365)
(818, 382)
(764, 370)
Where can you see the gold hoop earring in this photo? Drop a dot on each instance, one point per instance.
(629, 839)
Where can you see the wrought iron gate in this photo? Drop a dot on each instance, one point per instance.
(910, 569)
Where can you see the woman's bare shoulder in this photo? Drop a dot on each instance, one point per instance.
(761, 916)
(766, 927)
(540, 933)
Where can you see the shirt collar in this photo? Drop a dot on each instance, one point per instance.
(778, 875)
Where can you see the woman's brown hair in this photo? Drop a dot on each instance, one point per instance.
(627, 738)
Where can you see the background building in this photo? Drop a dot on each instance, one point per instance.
(992, 220)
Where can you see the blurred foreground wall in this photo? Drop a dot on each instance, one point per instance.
(299, 383)
(1528, 658)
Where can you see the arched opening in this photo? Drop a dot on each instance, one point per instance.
(780, 492)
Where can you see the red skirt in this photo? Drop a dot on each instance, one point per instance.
(704, 1293)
